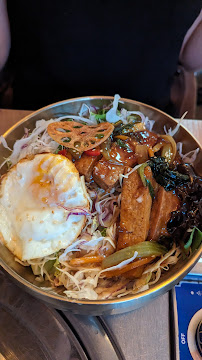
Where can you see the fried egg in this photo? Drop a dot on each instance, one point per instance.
(33, 197)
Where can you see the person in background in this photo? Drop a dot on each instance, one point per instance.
(144, 50)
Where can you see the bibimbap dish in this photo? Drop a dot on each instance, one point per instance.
(98, 203)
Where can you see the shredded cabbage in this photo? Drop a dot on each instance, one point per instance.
(189, 157)
(4, 142)
(170, 258)
(172, 132)
(148, 123)
(35, 143)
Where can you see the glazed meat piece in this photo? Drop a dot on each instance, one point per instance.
(85, 165)
(135, 211)
(145, 137)
(164, 203)
(123, 156)
(106, 174)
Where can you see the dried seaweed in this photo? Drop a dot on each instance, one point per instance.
(189, 215)
(168, 178)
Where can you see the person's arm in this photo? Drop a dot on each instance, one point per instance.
(191, 51)
(4, 34)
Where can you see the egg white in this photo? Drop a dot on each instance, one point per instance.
(33, 222)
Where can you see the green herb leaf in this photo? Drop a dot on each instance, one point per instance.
(124, 129)
(100, 117)
(140, 171)
(151, 189)
(60, 147)
(121, 143)
(104, 232)
(56, 263)
(145, 181)
(195, 239)
(189, 242)
(49, 265)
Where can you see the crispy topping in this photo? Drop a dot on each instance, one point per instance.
(77, 136)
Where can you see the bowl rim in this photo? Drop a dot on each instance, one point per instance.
(171, 281)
